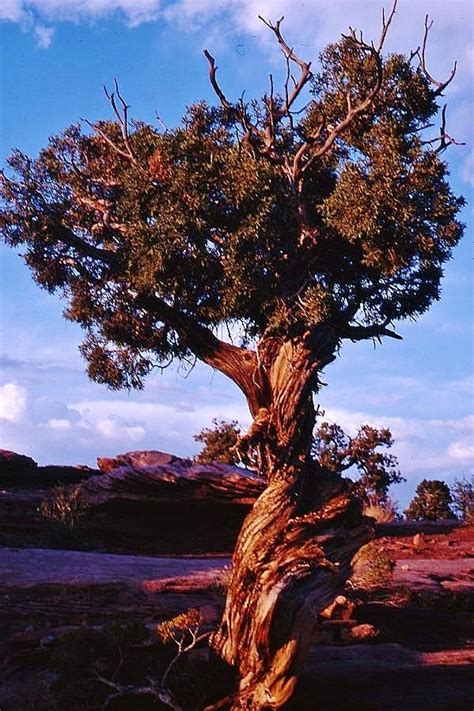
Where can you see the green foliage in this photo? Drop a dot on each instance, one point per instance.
(337, 452)
(463, 499)
(432, 502)
(133, 227)
(219, 442)
(334, 450)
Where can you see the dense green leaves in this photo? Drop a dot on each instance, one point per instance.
(195, 217)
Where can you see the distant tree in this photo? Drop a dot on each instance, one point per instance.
(317, 215)
(332, 448)
(337, 452)
(219, 442)
(432, 502)
(462, 493)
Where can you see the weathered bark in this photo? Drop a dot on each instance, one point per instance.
(286, 568)
(293, 553)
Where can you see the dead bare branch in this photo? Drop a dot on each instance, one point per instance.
(386, 25)
(441, 85)
(305, 67)
(122, 117)
(214, 83)
(444, 139)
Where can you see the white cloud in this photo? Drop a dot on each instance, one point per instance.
(134, 11)
(12, 402)
(11, 10)
(170, 426)
(43, 35)
(116, 428)
(421, 445)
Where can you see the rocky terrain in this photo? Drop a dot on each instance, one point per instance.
(400, 637)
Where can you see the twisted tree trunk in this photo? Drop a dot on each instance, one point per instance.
(294, 550)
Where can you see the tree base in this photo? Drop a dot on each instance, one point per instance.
(288, 566)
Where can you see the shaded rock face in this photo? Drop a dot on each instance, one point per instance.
(20, 471)
(13, 464)
(158, 503)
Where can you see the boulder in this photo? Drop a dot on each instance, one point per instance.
(16, 467)
(144, 502)
(160, 476)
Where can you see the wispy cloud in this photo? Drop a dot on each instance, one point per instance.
(33, 14)
(43, 35)
(468, 169)
(24, 11)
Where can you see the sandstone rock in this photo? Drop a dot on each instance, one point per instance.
(359, 633)
(138, 460)
(157, 503)
(418, 540)
(340, 609)
(159, 476)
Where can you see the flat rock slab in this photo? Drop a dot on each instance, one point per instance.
(30, 567)
(431, 575)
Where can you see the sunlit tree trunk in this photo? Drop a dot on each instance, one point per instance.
(294, 550)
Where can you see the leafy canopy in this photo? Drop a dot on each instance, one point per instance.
(339, 215)
(462, 493)
(377, 470)
(219, 442)
(432, 501)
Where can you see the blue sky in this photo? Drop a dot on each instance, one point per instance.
(57, 54)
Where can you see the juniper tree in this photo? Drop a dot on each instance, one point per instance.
(432, 502)
(219, 442)
(337, 452)
(317, 215)
(462, 492)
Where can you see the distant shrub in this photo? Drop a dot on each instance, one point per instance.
(221, 583)
(373, 567)
(65, 508)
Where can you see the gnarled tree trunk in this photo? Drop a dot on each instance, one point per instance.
(294, 550)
